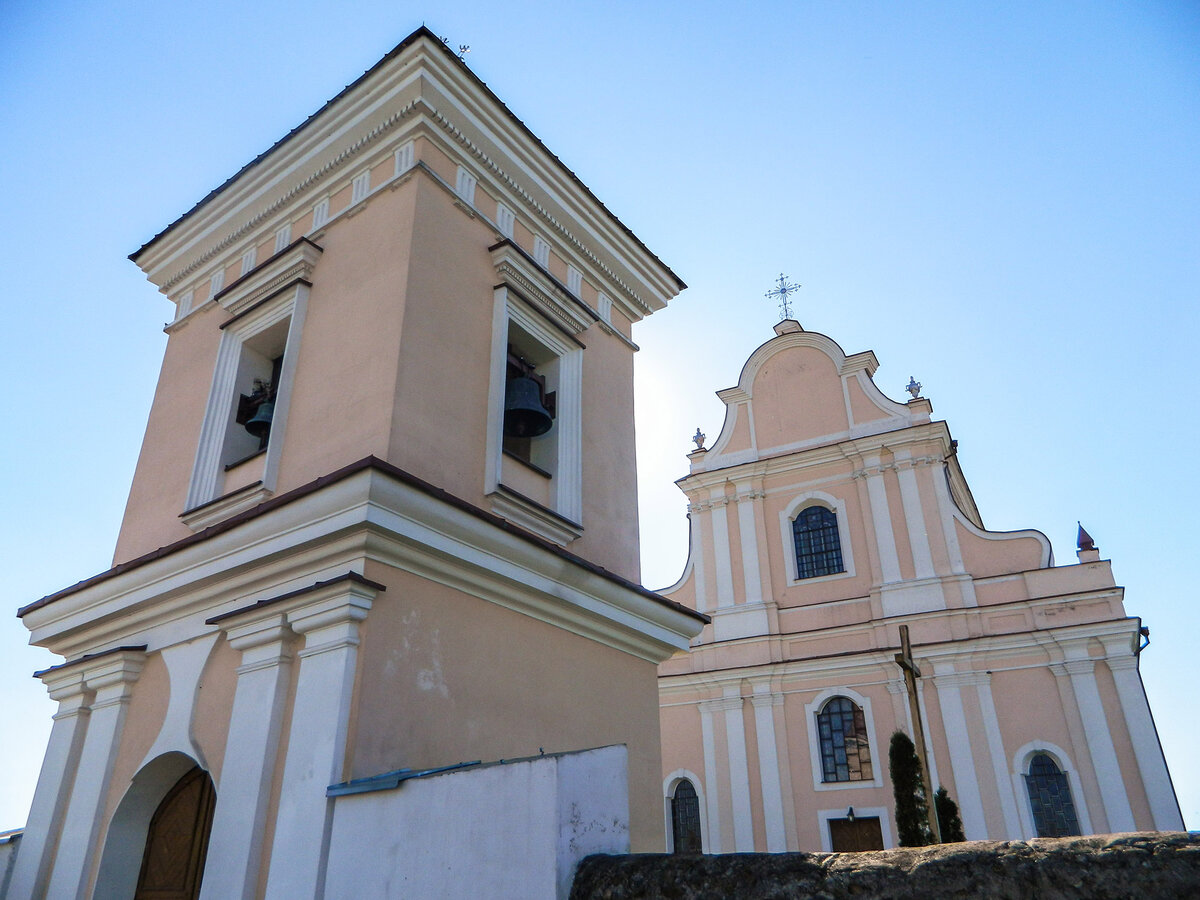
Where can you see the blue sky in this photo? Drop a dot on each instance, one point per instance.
(1001, 199)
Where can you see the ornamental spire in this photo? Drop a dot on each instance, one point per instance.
(782, 292)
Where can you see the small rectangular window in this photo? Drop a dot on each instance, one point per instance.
(464, 185)
(360, 187)
(248, 260)
(320, 213)
(216, 283)
(505, 220)
(283, 237)
(574, 280)
(541, 252)
(405, 156)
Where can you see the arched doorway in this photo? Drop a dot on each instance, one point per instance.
(177, 840)
(685, 819)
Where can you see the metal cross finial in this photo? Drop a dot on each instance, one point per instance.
(783, 294)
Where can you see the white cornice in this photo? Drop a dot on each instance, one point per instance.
(422, 87)
(369, 515)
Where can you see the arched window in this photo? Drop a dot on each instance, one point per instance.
(1050, 798)
(845, 750)
(685, 818)
(818, 548)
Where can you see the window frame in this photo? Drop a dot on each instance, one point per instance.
(811, 709)
(788, 515)
(670, 783)
(562, 521)
(1020, 767)
(206, 485)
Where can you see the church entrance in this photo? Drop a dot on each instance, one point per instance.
(173, 862)
(854, 835)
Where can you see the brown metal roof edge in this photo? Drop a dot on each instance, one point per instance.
(347, 576)
(88, 657)
(386, 468)
(423, 31)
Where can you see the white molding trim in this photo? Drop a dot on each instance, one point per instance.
(669, 785)
(721, 550)
(1020, 765)
(765, 703)
(814, 744)
(797, 505)
(880, 812)
(962, 754)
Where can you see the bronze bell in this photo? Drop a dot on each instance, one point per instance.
(524, 414)
(259, 425)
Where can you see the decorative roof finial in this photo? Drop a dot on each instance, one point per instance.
(913, 387)
(783, 293)
(698, 437)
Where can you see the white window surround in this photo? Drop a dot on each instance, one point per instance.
(283, 237)
(405, 157)
(566, 485)
(505, 220)
(541, 252)
(1020, 768)
(464, 185)
(184, 305)
(360, 186)
(788, 515)
(669, 785)
(248, 259)
(866, 812)
(574, 281)
(320, 213)
(216, 283)
(814, 745)
(207, 472)
(604, 307)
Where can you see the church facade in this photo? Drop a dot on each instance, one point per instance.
(823, 518)
(378, 525)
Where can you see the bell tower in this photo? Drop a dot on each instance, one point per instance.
(374, 524)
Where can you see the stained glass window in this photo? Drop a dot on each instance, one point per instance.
(842, 733)
(685, 818)
(1050, 798)
(818, 547)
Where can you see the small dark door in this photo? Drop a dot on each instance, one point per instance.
(685, 818)
(177, 841)
(848, 836)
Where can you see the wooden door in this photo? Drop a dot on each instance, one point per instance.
(863, 833)
(177, 841)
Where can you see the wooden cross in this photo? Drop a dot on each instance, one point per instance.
(911, 673)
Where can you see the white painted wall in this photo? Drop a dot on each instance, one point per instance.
(504, 830)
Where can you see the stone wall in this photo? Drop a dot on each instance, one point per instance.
(1143, 865)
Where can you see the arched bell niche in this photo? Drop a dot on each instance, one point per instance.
(158, 836)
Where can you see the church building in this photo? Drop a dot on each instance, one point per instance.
(381, 526)
(824, 518)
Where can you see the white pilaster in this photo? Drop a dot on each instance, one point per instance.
(697, 554)
(995, 741)
(711, 799)
(720, 532)
(962, 759)
(1153, 767)
(914, 516)
(739, 773)
(765, 703)
(1100, 745)
(317, 741)
(749, 535)
(236, 846)
(111, 679)
(31, 871)
(881, 518)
